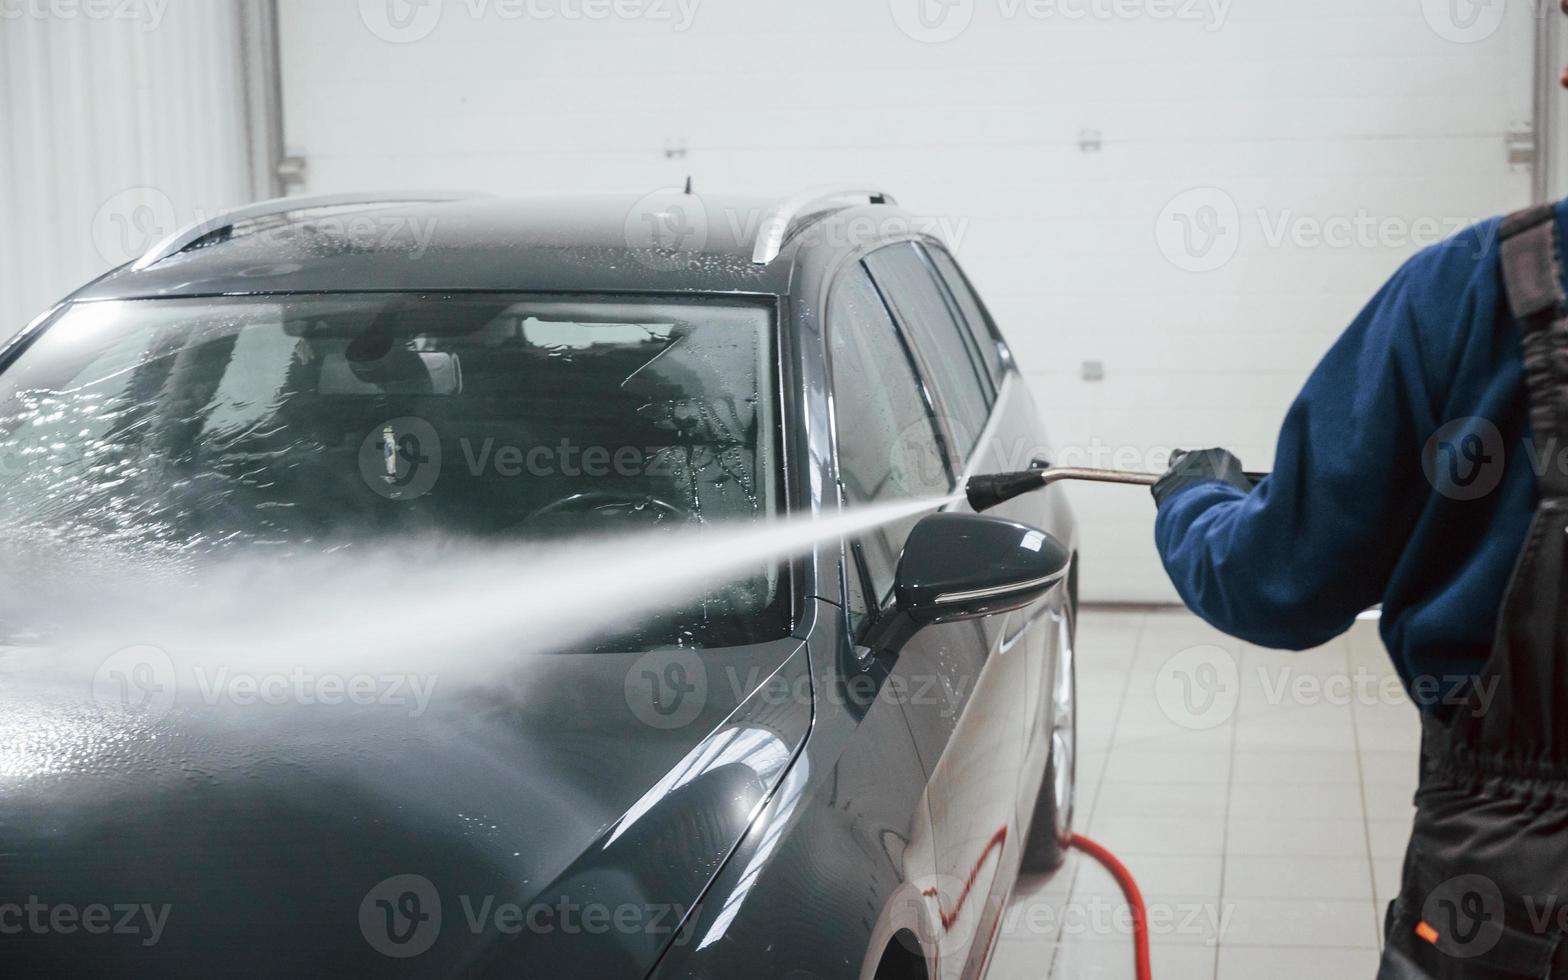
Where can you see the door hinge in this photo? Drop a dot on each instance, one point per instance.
(292, 170)
(1522, 147)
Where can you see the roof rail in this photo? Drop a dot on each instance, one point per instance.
(196, 231)
(782, 219)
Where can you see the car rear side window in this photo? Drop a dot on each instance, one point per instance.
(979, 322)
(888, 443)
(947, 348)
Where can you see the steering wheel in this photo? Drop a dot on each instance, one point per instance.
(604, 505)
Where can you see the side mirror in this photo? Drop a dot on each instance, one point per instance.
(962, 566)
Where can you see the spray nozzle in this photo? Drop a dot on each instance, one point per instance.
(985, 492)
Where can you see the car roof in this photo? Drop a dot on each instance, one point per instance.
(556, 244)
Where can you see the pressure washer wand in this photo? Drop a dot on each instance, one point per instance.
(986, 492)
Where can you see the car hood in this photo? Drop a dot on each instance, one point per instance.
(560, 820)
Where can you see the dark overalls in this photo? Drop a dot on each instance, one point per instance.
(1486, 876)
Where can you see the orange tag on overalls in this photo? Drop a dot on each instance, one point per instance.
(1426, 932)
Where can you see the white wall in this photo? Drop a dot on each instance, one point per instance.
(1294, 113)
(112, 129)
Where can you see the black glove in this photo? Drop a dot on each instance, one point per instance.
(1202, 466)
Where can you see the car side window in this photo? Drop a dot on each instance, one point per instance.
(889, 447)
(948, 349)
(980, 324)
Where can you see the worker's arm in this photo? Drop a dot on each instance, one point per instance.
(1292, 563)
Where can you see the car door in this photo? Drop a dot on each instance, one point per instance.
(887, 448)
(1016, 441)
(965, 699)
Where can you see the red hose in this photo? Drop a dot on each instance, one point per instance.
(1140, 915)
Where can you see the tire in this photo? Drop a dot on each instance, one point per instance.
(1050, 825)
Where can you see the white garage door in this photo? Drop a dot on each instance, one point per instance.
(1173, 206)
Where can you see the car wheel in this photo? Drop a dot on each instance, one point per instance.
(1051, 825)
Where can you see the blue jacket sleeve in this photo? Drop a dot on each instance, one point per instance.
(1291, 564)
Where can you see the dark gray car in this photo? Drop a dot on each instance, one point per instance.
(831, 765)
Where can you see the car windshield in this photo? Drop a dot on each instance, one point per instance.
(197, 428)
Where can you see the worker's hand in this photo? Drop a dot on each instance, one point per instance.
(1202, 466)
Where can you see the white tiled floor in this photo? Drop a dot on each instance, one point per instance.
(1262, 800)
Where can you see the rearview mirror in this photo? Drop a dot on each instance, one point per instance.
(962, 566)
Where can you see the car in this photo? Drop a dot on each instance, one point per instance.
(838, 763)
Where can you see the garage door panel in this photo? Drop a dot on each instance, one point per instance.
(572, 126)
(1309, 117)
